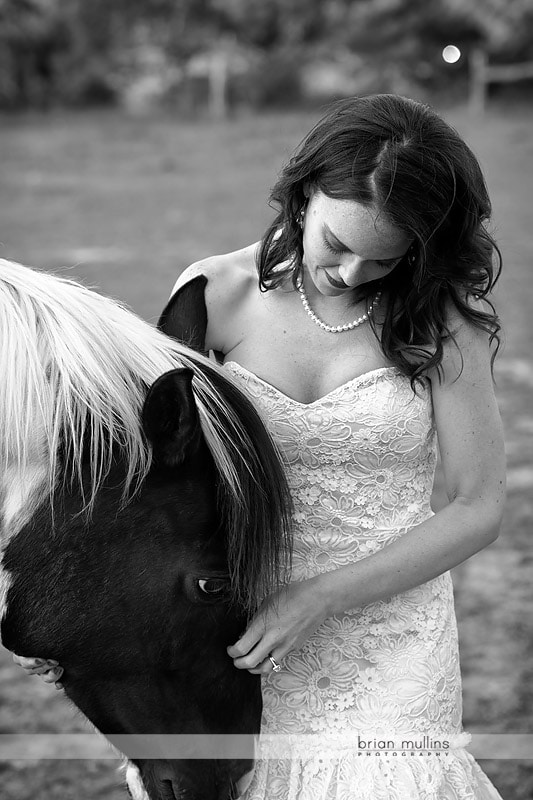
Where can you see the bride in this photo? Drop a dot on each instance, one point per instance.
(362, 330)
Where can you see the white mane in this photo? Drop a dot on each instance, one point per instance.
(73, 362)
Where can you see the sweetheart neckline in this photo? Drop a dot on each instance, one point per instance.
(358, 378)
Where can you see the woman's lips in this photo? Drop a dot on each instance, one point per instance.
(334, 283)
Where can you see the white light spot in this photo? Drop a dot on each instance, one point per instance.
(451, 54)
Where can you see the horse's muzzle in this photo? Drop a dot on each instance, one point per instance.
(224, 779)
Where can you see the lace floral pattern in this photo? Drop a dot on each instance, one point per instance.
(360, 463)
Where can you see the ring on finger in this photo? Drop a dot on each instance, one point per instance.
(275, 666)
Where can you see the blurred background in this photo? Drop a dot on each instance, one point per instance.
(137, 136)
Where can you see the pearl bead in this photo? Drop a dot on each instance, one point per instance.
(348, 326)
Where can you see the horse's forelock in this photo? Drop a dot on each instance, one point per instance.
(74, 361)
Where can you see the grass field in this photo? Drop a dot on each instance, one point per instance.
(125, 204)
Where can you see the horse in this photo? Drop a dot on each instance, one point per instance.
(144, 514)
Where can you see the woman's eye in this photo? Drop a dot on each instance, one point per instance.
(331, 248)
(388, 264)
(213, 586)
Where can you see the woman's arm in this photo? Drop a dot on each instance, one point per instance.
(472, 451)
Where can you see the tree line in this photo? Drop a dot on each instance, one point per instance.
(74, 52)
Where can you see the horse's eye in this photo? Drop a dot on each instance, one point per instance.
(213, 586)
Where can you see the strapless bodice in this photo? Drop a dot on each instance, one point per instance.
(360, 462)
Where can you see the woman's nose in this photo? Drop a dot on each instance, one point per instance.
(351, 271)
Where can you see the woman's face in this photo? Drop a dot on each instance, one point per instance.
(346, 244)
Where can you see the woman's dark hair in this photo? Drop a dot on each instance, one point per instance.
(399, 157)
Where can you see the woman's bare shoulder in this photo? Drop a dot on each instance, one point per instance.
(466, 347)
(225, 273)
(231, 280)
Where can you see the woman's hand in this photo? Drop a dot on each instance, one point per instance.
(47, 669)
(283, 623)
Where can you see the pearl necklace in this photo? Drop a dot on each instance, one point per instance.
(349, 326)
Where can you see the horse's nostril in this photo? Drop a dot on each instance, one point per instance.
(167, 792)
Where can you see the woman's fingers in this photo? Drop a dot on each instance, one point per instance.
(267, 666)
(257, 660)
(250, 651)
(33, 663)
(248, 640)
(52, 675)
(35, 666)
(46, 668)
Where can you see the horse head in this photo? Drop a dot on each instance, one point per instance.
(138, 592)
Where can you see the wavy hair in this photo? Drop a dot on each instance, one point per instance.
(399, 157)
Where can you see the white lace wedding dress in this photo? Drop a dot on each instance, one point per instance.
(360, 465)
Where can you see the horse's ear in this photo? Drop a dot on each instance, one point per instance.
(170, 417)
(185, 315)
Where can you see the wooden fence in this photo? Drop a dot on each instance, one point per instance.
(482, 74)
